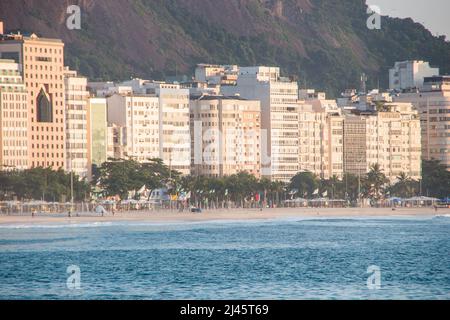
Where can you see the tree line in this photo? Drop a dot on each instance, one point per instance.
(122, 177)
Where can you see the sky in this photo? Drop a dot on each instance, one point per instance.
(433, 14)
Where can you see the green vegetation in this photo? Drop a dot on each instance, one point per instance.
(436, 179)
(327, 47)
(42, 184)
(120, 177)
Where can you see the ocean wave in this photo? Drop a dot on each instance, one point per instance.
(442, 216)
(215, 222)
(56, 225)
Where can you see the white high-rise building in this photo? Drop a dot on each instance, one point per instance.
(174, 121)
(174, 142)
(225, 136)
(76, 123)
(433, 104)
(279, 118)
(140, 115)
(410, 74)
(158, 126)
(13, 118)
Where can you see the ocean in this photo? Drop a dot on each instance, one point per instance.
(345, 258)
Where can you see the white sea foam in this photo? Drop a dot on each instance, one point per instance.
(56, 225)
(442, 216)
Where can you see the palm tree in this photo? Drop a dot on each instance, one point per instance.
(405, 186)
(375, 182)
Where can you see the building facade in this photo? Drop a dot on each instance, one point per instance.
(117, 142)
(279, 118)
(77, 146)
(139, 116)
(217, 74)
(321, 125)
(13, 118)
(321, 141)
(410, 74)
(41, 63)
(433, 104)
(388, 137)
(98, 132)
(174, 139)
(225, 136)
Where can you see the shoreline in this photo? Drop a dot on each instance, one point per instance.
(223, 215)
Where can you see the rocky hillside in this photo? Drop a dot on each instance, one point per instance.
(324, 42)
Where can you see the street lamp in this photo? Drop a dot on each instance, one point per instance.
(360, 161)
(71, 182)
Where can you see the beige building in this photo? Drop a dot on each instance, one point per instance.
(117, 142)
(41, 62)
(217, 74)
(225, 136)
(321, 140)
(76, 123)
(279, 118)
(13, 118)
(388, 137)
(433, 103)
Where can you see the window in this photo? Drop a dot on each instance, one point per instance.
(44, 107)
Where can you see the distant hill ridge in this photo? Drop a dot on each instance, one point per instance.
(326, 43)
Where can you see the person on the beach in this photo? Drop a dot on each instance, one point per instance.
(32, 213)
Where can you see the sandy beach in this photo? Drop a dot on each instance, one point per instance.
(217, 215)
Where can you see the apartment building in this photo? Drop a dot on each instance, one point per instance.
(116, 146)
(389, 137)
(13, 118)
(140, 116)
(279, 118)
(97, 132)
(76, 97)
(320, 135)
(41, 63)
(225, 136)
(433, 104)
(217, 74)
(174, 140)
(410, 74)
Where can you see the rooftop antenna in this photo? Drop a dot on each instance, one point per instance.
(363, 83)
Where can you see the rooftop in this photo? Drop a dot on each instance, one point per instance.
(217, 97)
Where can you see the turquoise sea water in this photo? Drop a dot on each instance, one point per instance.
(273, 259)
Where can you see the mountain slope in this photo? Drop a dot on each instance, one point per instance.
(324, 42)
